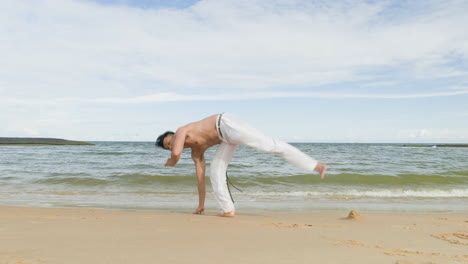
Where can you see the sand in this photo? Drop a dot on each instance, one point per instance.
(55, 235)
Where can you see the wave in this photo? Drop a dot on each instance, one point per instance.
(7, 178)
(449, 178)
(79, 181)
(125, 179)
(344, 179)
(111, 153)
(354, 193)
(144, 179)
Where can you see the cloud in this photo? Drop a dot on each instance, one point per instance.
(433, 134)
(86, 50)
(424, 133)
(173, 97)
(81, 67)
(181, 97)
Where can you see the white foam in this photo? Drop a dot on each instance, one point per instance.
(395, 193)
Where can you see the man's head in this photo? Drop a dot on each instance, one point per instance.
(161, 142)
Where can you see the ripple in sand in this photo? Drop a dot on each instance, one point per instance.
(454, 238)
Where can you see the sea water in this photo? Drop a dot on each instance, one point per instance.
(131, 175)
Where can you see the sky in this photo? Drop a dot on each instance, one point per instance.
(302, 71)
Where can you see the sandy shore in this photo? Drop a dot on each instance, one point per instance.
(53, 235)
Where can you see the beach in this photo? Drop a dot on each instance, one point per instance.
(334, 131)
(115, 202)
(73, 235)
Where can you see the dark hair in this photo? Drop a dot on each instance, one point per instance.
(160, 140)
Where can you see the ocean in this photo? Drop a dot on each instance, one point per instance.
(131, 175)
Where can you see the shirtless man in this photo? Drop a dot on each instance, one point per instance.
(228, 131)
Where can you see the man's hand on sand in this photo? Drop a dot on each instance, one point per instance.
(200, 210)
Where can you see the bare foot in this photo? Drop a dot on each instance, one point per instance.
(321, 169)
(228, 214)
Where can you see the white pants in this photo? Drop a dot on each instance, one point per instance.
(233, 131)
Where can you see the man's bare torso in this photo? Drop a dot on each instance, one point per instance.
(202, 134)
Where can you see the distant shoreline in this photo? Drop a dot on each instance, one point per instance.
(437, 145)
(23, 141)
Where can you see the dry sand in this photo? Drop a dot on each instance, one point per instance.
(52, 235)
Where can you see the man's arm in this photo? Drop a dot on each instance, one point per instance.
(200, 167)
(177, 147)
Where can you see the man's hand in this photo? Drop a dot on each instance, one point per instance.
(200, 210)
(170, 163)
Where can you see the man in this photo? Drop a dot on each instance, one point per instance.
(228, 131)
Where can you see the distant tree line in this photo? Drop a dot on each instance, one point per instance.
(39, 141)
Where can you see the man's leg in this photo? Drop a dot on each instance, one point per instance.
(218, 169)
(288, 152)
(239, 132)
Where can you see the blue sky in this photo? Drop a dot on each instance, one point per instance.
(311, 71)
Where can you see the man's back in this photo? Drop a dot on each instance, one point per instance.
(202, 134)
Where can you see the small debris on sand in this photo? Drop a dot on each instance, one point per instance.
(354, 215)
